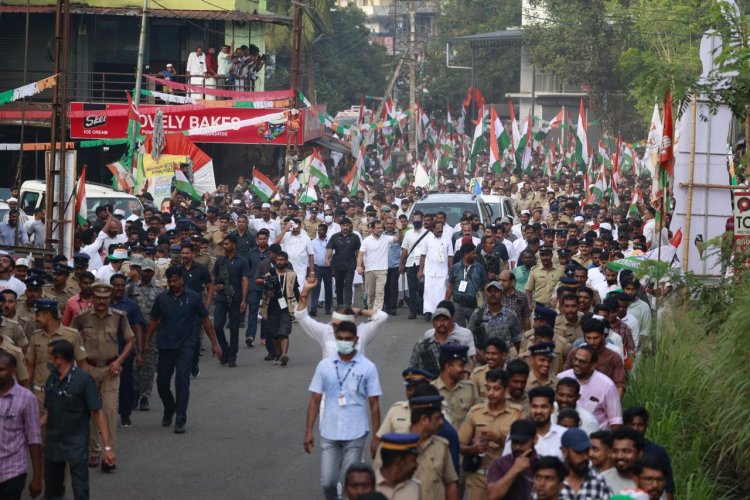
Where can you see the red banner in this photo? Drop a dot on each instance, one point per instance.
(98, 125)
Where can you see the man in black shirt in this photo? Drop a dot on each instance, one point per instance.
(341, 255)
(176, 318)
(71, 400)
(197, 278)
(231, 277)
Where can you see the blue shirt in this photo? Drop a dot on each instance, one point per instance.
(394, 252)
(319, 251)
(133, 313)
(253, 261)
(356, 380)
(179, 318)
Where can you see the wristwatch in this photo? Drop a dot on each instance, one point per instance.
(107, 448)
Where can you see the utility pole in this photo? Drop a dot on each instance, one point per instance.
(56, 198)
(295, 77)
(413, 6)
(138, 78)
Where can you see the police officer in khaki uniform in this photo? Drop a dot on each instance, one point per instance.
(101, 327)
(568, 324)
(393, 477)
(495, 351)
(485, 430)
(540, 360)
(217, 237)
(59, 290)
(49, 328)
(12, 329)
(543, 331)
(543, 278)
(80, 265)
(25, 306)
(22, 373)
(398, 418)
(460, 395)
(311, 225)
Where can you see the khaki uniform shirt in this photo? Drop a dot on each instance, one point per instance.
(100, 334)
(434, 467)
(542, 282)
(73, 284)
(587, 262)
(216, 238)
(398, 419)
(12, 329)
(562, 348)
(311, 227)
(405, 490)
(534, 382)
(524, 203)
(211, 228)
(478, 378)
(61, 296)
(7, 345)
(37, 353)
(495, 421)
(569, 331)
(520, 402)
(363, 228)
(25, 316)
(458, 400)
(205, 259)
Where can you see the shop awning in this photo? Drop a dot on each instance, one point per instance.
(328, 141)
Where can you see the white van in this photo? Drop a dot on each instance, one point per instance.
(33, 195)
(501, 207)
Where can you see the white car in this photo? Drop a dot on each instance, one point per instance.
(501, 207)
(33, 195)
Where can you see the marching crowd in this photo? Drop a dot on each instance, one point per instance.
(513, 390)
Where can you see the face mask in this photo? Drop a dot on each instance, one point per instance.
(345, 347)
(328, 219)
(417, 224)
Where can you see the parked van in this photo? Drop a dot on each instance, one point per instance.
(501, 207)
(33, 195)
(454, 205)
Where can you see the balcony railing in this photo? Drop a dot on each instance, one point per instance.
(101, 86)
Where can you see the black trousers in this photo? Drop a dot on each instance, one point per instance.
(416, 290)
(324, 276)
(127, 387)
(54, 479)
(391, 290)
(344, 279)
(12, 489)
(175, 362)
(222, 309)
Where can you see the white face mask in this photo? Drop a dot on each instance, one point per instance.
(345, 347)
(328, 219)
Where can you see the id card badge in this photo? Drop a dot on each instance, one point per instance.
(462, 286)
(282, 303)
(342, 400)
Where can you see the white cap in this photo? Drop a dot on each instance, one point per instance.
(132, 217)
(169, 65)
(578, 218)
(22, 262)
(12, 199)
(345, 200)
(605, 225)
(119, 211)
(550, 190)
(525, 212)
(236, 202)
(265, 205)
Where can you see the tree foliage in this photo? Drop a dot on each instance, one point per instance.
(496, 69)
(345, 65)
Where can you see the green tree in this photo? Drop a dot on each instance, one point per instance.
(496, 71)
(578, 41)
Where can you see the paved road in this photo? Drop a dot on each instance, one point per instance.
(245, 427)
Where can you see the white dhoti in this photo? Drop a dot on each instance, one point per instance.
(434, 293)
(197, 80)
(210, 84)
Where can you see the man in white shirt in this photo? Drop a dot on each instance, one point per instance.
(196, 69)
(435, 260)
(517, 229)
(372, 261)
(117, 257)
(266, 222)
(7, 280)
(548, 434)
(567, 394)
(298, 246)
(410, 263)
(224, 60)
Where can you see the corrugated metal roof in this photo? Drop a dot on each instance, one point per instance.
(209, 15)
(509, 37)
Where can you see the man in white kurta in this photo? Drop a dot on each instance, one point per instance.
(298, 245)
(436, 258)
(196, 68)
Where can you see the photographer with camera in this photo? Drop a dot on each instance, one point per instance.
(231, 276)
(280, 297)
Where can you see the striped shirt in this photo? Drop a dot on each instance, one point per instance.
(19, 428)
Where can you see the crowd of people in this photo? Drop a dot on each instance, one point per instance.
(513, 390)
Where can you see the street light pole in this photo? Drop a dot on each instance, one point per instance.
(413, 79)
(138, 77)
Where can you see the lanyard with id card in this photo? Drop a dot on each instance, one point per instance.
(342, 398)
(464, 283)
(282, 300)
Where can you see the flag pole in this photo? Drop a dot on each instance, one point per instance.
(688, 214)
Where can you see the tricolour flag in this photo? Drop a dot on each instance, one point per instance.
(293, 183)
(633, 210)
(557, 121)
(582, 142)
(477, 144)
(81, 209)
(309, 195)
(262, 186)
(122, 179)
(653, 144)
(604, 155)
(183, 185)
(499, 141)
(314, 167)
(352, 179)
(515, 131)
(523, 148)
(402, 180)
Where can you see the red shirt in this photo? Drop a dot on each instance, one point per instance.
(75, 306)
(212, 67)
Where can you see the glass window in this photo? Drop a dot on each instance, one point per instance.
(29, 201)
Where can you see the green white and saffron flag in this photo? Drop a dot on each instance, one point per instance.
(80, 195)
(633, 210)
(599, 187)
(402, 180)
(309, 195)
(314, 170)
(183, 185)
(499, 141)
(477, 144)
(582, 142)
(262, 186)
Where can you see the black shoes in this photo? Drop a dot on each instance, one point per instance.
(428, 316)
(313, 313)
(195, 371)
(179, 429)
(166, 421)
(284, 360)
(249, 342)
(143, 404)
(412, 316)
(232, 364)
(125, 421)
(270, 357)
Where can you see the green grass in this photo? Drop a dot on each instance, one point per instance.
(696, 388)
